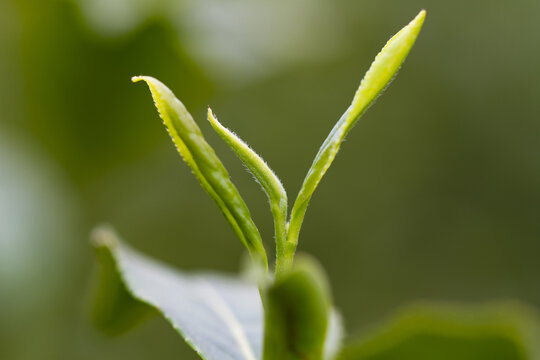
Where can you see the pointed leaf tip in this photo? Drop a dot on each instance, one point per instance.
(422, 14)
(418, 21)
(385, 67)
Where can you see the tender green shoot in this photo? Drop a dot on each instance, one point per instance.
(214, 177)
(267, 179)
(206, 166)
(299, 321)
(379, 75)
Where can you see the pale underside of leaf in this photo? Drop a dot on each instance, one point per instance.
(334, 335)
(220, 317)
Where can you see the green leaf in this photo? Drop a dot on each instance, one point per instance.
(297, 309)
(220, 317)
(382, 71)
(268, 180)
(499, 331)
(205, 164)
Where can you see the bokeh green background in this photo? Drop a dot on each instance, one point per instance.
(435, 195)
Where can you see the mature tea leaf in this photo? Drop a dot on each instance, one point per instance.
(506, 331)
(220, 317)
(268, 180)
(297, 308)
(206, 166)
(382, 71)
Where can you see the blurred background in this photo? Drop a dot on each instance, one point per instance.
(435, 195)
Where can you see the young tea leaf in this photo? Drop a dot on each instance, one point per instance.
(267, 179)
(382, 71)
(205, 164)
(297, 310)
(220, 317)
(503, 331)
